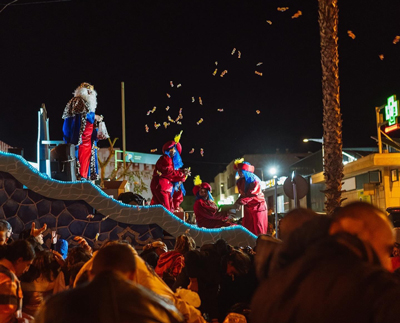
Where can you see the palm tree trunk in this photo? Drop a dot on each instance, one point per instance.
(332, 120)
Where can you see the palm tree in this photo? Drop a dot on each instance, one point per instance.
(332, 121)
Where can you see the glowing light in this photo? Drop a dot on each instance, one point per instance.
(392, 128)
(391, 110)
(272, 171)
(305, 140)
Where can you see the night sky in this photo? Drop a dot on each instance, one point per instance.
(48, 48)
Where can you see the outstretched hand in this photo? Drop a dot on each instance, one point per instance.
(35, 232)
(187, 172)
(83, 243)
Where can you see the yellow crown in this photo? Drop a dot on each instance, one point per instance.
(87, 86)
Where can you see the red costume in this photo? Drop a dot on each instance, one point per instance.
(164, 173)
(255, 217)
(205, 209)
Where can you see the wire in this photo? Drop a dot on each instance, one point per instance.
(30, 3)
(8, 5)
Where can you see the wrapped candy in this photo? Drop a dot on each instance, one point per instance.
(216, 63)
(192, 151)
(97, 236)
(220, 110)
(200, 121)
(193, 99)
(381, 57)
(168, 96)
(154, 110)
(167, 108)
(282, 9)
(146, 127)
(269, 22)
(258, 73)
(156, 125)
(233, 51)
(396, 40)
(179, 85)
(297, 14)
(171, 83)
(259, 63)
(215, 71)
(351, 34)
(90, 216)
(178, 122)
(239, 54)
(148, 112)
(153, 150)
(258, 111)
(200, 100)
(223, 73)
(166, 124)
(202, 152)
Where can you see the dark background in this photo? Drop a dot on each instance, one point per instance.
(48, 48)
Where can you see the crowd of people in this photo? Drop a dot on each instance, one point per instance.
(343, 268)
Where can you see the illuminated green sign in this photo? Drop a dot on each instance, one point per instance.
(391, 110)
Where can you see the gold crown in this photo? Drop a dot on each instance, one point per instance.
(87, 86)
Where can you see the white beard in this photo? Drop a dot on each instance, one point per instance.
(90, 99)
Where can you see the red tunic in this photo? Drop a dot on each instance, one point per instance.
(207, 215)
(255, 217)
(85, 149)
(161, 186)
(177, 199)
(170, 259)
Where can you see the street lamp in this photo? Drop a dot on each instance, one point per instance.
(273, 171)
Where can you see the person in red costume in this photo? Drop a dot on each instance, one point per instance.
(167, 171)
(251, 197)
(178, 190)
(205, 209)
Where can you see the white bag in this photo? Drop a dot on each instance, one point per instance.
(102, 132)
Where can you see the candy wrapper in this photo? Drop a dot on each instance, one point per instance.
(156, 125)
(381, 57)
(233, 51)
(153, 150)
(202, 152)
(396, 40)
(282, 9)
(179, 85)
(258, 111)
(200, 121)
(167, 108)
(146, 127)
(168, 96)
(269, 22)
(193, 99)
(220, 110)
(171, 83)
(192, 151)
(215, 71)
(258, 73)
(200, 100)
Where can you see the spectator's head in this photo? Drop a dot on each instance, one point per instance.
(184, 243)
(237, 263)
(115, 257)
(5, 232)
(75, 255)
(21, 254)
(294, 219)
(369, 224)
(44, 265)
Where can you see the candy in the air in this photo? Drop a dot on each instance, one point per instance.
(258, 73)
(171, 83)
(215, 71)
(381, 56)
(168, 95)
(200, 100)
(200, 121)
(233, 51)
(179, 85)
(282, 9)
(167, 108)
(156, 125)
(193, 99)
(351, 34)
(297, 14)
(146, 127)
(220, 110)
(258, 111)
(396, 40)
(153, 150)
(269, 22)
(201, 152)
(192, 151)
